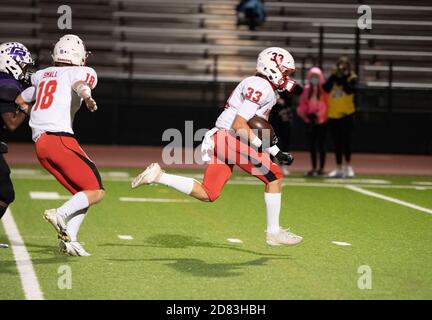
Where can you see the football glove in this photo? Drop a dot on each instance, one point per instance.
(284, 158)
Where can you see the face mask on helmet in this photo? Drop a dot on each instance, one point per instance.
(286, 83)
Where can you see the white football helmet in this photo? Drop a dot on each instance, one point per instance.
(15, 59)
(277, 64)
(70, 49)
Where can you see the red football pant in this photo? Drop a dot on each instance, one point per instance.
(63, 157)
(230, 151)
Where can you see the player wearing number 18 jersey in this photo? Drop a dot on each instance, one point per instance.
(232, 142)
(57, 94)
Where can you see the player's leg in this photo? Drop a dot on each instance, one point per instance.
(216, 175)
(74, 221)
(66, 160)
(74, 248)
(337, 137)
(154, 174)
(83, 174)
(347, 128)
(7, 193)
(215, 178)
(260, 165)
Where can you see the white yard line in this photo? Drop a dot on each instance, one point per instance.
(389, 199)
(29, 281)
(44, 195)
(296, 182)
(423, 183)
(161, 200)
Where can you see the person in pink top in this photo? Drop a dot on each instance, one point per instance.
(312, 109)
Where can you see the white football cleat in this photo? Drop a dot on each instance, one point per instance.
(348, 172)
(336, 173)
(58, 222)
(150, 175)
(73, 248)
(283, 237)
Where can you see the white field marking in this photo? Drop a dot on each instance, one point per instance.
(390, 199)
(341, 243)
(125, 237)
(42, 195)
(234, 240)
(29, 281)
(255, 181)
(114, 174)
(357, 181)
(25, 172)
(423, 183)
(128, 199)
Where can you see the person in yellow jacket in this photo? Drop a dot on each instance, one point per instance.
(341, 86)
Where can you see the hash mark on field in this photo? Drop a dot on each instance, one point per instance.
(359, 181)
(42, 195)
(389, 199)
(125, 237)
(341, 243)
(234, 240)
(114, 174)
(29, 281)
(160, 200)
(423, 183)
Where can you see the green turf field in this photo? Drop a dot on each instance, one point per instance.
(180, 250)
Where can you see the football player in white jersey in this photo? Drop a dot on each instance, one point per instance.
(57, 93)
(232, 142)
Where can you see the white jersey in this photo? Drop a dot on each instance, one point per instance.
(253, 96)
(56, 101)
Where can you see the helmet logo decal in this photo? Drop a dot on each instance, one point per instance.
(17, 52)
(277, 58)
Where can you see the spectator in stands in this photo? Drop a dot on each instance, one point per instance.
(341, 85)
(251, 13)
(281, 118)
(312, 108)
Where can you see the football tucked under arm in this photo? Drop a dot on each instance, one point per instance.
(240, 125)
(84, 92)
(269, 139)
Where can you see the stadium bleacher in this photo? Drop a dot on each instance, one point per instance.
(199, 40)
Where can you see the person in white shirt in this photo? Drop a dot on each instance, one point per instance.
(56, 94)
(232, 142)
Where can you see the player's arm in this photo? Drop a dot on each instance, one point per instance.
(25, 100)
(11, 117)
(13, 120)
(240, 123)
(84, 92)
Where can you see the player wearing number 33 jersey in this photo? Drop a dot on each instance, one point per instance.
(57, 93)
(232, 143)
